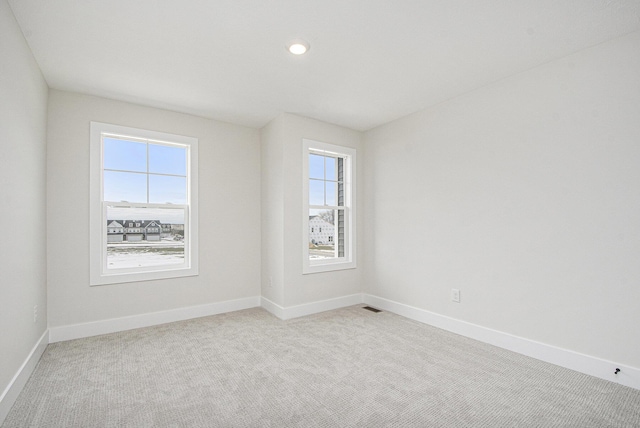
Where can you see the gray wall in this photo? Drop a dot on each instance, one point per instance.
(525, 195)
(23, 102)
(229, 213)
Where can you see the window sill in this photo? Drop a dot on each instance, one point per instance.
(120, 278)
(326, 267)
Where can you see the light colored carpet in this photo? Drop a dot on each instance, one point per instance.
(343, 368)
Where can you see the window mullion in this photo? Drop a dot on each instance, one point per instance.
(142, 172)
(147, 172)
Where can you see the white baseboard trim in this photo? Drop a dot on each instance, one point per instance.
(273, 308)
(604, 369)
(310, 308)
(95, 328)
(11, 392)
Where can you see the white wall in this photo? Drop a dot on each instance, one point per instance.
(23, 102)
(282, 206)
(272, 201)
(525, 195)
(229, 216)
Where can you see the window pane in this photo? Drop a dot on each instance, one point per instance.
(330, 168)
(316, 192)
(167, 189)
(125, 186)
(139, 237)
(316, 166)
(125, 155)
(322, 236)
(331, 193)
(167, 159)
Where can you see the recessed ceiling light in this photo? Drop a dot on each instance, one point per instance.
(297, 47)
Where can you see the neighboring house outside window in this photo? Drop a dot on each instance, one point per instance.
(144, 217)
(329, 207)
(316, 235)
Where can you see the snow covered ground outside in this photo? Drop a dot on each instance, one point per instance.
(127, 255)
(315, 254)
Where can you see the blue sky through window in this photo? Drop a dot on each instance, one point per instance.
(316, 166)
(167, 189)
(167, 160)
(125, 155)
(132, 176)
(323, 187)
(125, 186)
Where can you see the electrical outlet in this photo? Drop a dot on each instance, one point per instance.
(455, 295)
(35, 313)
(270, 282)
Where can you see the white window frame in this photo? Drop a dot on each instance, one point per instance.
(98, 272)
(349, 259)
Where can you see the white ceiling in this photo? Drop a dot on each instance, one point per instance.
(370, 62)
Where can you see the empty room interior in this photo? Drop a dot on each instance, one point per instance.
(335, 213)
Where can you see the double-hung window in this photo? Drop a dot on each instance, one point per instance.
(328, 239)
(144, 214)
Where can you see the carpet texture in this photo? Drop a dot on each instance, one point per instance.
(344, 368)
